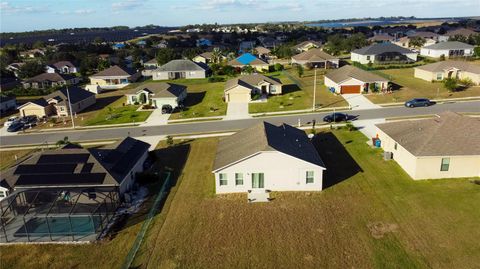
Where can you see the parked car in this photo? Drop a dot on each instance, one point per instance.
(29, 119)
(418, 102)
(336, 117)
(10, 121)
(15, 127)
(167, 109)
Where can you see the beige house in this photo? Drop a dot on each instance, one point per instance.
(307, 45)
(240, 90)
(404, 42)
(157, 94)
(449, 69)
(316, 58)
(248, 59)
(205, 58)
(350, 79)
(114, 77)
(56, 103)
(267, 157)
(446, 146)
(48, 80)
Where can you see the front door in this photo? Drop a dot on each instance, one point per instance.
(258, 181)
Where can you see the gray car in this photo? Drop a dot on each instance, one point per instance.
(418, 102)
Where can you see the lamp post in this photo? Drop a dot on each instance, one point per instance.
(314, 88)
(70, 108)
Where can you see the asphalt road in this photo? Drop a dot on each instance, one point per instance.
(224, 126)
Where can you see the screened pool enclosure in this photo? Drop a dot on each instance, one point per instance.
(43, 215)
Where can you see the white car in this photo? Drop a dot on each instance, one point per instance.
(10, 121)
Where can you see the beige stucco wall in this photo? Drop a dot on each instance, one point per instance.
(34, 110)
(474, 77)
(199, 59)
(238, 94)
(281, 173)
(460, 166)
(425, 75)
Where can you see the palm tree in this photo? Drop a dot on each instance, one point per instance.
(216, 55)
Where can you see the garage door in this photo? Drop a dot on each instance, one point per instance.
(238, 97)
(350, 89)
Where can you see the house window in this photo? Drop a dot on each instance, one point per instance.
(445, 164)
(309, 177)
(395, 146)
(2, 194)
(223, 179)
(368, 58)
(439, 76)
(62, 108)
(258, 180)
(238, 179)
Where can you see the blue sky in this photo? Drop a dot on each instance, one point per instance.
(26, 15)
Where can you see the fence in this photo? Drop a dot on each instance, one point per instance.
(146, 224)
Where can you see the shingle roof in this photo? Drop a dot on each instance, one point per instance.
(77, 94)
(61, 64)
(449, 134)
(160, 89)
(379, 48)
(381, 37)
(424, 34)
(151, 61)
(54, 77)
(262, 50)
(115, 71)
(304, 43)
(247, 59)
(346, 72)
(250, 80)
(449, 45)
(314, 55)
(206, 55)
(182, 65)
(445, 65)
(461, 31)
(265, 136)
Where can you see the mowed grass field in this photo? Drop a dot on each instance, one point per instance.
(371, 215)
(409, 87)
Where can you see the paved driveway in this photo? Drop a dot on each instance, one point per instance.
(237, 111)
(156, 118)
(358, 101)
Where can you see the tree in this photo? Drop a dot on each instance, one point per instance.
(248, 69)
(278, 67)
(450, 84)
(31, 69)
(38, 45)
(417, 41)
(216, 55)
(165, 55)
(476, 51)
(335, 44)
(283, 51)
(300, 70)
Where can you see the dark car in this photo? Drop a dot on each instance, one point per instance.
(167, 109)
(15, 127)
(418, 102)
(336, 117)
(29, 119)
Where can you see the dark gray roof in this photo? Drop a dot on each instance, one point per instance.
(441, 66)
(76, 94)
(76, 166)
(250, 80)
(379, 48)
(265, 136)
(449, 45)
(54, 77)
(115, 71)
(160, 89)
(182, 65)
(6, 98)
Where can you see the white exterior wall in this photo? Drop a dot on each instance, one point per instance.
(172, 101)
(163, 75)
(412, 56)
(128, 181)
(460, 166)
(3, 193)
(331, 84)
(281, 173)
(437, 53)
(361, 58)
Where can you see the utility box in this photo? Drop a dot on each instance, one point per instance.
(387, 155)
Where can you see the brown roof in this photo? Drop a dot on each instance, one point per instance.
(448, 134)
(314, 55)
(348, 71)
(250, 80)
(114, 71)
(262, 50)
(265, 136)
(445, 65)
(461, 31)
(61, 64)
(304, 43)
(54, 77)
(206, 55)
(160, 89)
(381, 37)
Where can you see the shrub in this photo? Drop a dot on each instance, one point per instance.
(350, 127)
(256, 96)
(169, 140)
(442, 57)
(467, 82)
(450, 84)
(373, 87)
(300, 70)
(278, 67)
(216, 79)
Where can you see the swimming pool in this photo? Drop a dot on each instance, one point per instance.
(60, 226)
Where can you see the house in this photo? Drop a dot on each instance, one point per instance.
(381, 37)
(7, 103)
(246, 46)
(161, 45)
(462, 32)
(157, 94)
(316, 58)
(181, 69)
(203, 42)
(445, 146)
(149, 67)
(404, 42)
(32, 53)
(263, 53)
(307, 45)
(8, 83)
(350, 79)
(424, 35)
(62, 67)
(47, 80)
(249, 59)
(267, 157)
(240, 90)
(383, 53)
(114, 77)
(449, 49)
(269, 42)
(57, 104)
(15, 67)
(448, 69)
(205, 58)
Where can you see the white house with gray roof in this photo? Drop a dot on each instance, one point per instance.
(385, 53)
(267, 157)
(181, 69)
(449, 49)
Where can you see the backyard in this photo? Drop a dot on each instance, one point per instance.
(408, 87)
(371, 215)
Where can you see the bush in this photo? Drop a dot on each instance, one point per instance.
(278, 67)
(466, 82)
(373, 87)
(216, 79)
(350, 127)
(450, 84)
(300, 70)
(169, 140)
(256, 96)
(442, 57)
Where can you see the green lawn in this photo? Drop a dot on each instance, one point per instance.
(408, 87)
(116, 113)
(204, 99)
(372, 215)
(298, 93)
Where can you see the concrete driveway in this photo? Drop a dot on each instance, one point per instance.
(237, 111)
(358, 101)
(156, 118)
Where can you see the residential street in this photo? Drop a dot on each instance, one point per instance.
(228, 125)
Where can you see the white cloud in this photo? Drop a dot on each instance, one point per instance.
(127, 4)
(84, 11)
(241, 5)
(7, 8)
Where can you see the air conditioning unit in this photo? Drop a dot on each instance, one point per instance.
(387, 155)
